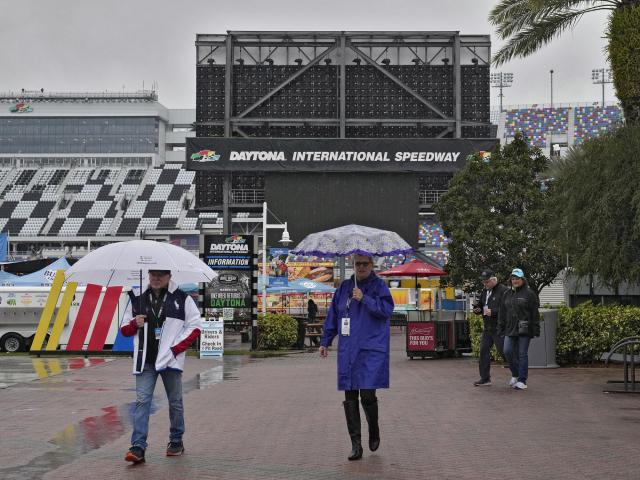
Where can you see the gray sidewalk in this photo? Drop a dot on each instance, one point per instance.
(282, 417)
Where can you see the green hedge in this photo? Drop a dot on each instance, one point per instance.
(276, 331)
(587, 331)
(475, 331)
(584, 332)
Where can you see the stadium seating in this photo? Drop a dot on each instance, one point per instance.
(431, 234)
(592, 121)
(89, 202)
(537, 122)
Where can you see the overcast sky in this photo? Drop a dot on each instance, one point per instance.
(98, 45)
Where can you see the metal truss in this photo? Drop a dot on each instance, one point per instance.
(378, 49)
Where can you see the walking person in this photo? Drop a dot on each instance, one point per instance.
(488, 306)
(312, 312)
(518, 322)
(166, 325)
(360, 315)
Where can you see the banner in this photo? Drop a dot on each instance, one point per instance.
(4, 246)
(321, 272)
(278, 269)
(333, 154)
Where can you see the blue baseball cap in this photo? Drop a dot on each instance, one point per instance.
(517, 272)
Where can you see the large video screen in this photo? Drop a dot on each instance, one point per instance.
(311, 202)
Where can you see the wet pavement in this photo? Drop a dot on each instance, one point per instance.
(274, 418)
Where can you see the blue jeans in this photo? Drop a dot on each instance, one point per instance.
(145, 385)
(516, 349)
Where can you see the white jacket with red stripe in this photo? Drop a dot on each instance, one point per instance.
(180, 329)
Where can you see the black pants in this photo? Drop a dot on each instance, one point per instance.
(487, 340)
(368, 395)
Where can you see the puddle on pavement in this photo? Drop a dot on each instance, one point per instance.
(24, 369)
(94, 432)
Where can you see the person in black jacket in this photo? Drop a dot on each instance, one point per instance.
(518, 322)
(488, 306)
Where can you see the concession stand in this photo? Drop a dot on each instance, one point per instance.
(430, 331)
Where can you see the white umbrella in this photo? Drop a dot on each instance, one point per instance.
(125, 263)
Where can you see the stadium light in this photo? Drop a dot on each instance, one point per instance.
(602, 76)
(501, 80)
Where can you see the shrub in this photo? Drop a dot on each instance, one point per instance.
(584, 332)
(276, 331)
(587, 331)
(475, 332)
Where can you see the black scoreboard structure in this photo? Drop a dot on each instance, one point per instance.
(332, 128)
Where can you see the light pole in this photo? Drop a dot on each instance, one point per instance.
(285, 240)
(501, 80)
(602, 76)
(551, 113)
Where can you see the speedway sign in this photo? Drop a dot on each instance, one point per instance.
(332, 154)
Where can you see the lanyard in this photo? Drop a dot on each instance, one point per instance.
(155, 303)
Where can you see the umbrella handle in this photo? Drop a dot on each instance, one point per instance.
(355, 275)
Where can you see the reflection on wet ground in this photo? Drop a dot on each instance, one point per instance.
(21, 369)
(94, 432)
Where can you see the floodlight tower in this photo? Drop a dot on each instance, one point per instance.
(602, 76)
(501, 80)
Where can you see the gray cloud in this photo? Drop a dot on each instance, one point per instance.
(74, 45)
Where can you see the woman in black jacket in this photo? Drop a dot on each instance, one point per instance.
(518, 322)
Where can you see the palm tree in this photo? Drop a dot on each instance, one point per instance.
(527, 25)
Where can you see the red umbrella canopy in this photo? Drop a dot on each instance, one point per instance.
(414, 268)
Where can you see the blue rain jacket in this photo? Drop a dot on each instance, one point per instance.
(363, 356)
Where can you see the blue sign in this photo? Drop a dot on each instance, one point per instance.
(4, 247)
(278, 270)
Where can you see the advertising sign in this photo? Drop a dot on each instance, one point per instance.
(231, 291)
(421, 336)
(278, 269)
(212, 339)
(321, 272)
(426, 299)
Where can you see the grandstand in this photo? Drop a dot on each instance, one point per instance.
(78, 204)
(562, 125)
(90, 168)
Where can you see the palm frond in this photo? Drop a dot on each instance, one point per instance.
(511, 16)
(531, 37)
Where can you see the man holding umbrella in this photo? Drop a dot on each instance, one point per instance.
(164, 322)
(360, 314)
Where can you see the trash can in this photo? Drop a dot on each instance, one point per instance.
(542, 350)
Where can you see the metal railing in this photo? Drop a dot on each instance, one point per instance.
(429, 197)
(247, 196)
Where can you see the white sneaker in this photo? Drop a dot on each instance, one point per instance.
(513, 381)
(520, 386)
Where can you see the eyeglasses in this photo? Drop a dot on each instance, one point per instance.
(363, 264)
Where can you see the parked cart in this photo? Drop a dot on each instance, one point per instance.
(437, 333)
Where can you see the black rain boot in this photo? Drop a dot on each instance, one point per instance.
(352, 413)
(371, 412)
